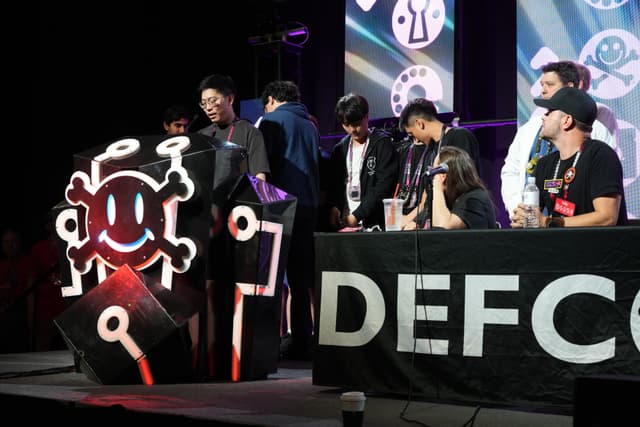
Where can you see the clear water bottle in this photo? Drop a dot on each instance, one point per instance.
(531, 200)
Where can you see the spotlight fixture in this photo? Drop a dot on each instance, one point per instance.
(297, 35)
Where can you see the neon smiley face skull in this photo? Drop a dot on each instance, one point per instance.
(127, 220)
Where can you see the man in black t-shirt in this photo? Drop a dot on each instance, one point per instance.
(580, 184)
(419, 120)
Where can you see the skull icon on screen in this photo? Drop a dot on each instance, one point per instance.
(612, 57)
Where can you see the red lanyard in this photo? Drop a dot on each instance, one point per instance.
(407, 167)
(231, 128)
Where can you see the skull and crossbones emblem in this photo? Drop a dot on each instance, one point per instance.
(125, 220)
(613, 59)
(610, 56)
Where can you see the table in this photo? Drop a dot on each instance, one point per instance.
(492, 316)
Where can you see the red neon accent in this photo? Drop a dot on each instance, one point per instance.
(145, 370)
(237, 299)
(235, 366)
(235, 357)
(233, 228)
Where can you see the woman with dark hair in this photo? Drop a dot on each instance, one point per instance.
(460, 198)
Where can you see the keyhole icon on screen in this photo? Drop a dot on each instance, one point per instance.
(417, 23)
(418, 10)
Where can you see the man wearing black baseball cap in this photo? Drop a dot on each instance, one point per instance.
(572, 101)
(581, 183)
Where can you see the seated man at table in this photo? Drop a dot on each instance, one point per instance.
(580, 183)
(528, 145)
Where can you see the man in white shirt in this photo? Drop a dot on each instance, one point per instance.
(528, 146)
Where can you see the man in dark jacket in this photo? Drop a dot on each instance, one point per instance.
(363, 168)
(293, 142)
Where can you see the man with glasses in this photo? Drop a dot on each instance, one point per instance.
(217, 94)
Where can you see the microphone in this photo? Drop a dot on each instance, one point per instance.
(443, 168)
(192, 121)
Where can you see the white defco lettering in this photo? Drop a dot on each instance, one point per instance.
(542, 318)
(406, 318)
(374, 316)
(476, 313)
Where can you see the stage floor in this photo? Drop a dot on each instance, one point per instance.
(45, 385)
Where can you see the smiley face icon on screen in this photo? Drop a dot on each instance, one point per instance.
(613, 57)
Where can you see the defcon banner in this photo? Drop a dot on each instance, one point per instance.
(496, 316)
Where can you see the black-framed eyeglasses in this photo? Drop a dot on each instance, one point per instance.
(210, 102)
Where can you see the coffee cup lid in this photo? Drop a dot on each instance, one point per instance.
(353, 396)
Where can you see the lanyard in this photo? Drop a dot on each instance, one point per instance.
(569, 175)
(407, 167)
(433, 153)
(232, 126)
(350, 164)
(538, 151)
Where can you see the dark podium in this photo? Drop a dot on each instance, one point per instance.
(158, 235)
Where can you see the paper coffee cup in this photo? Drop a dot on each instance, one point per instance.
(352, 408)
(353, 401)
